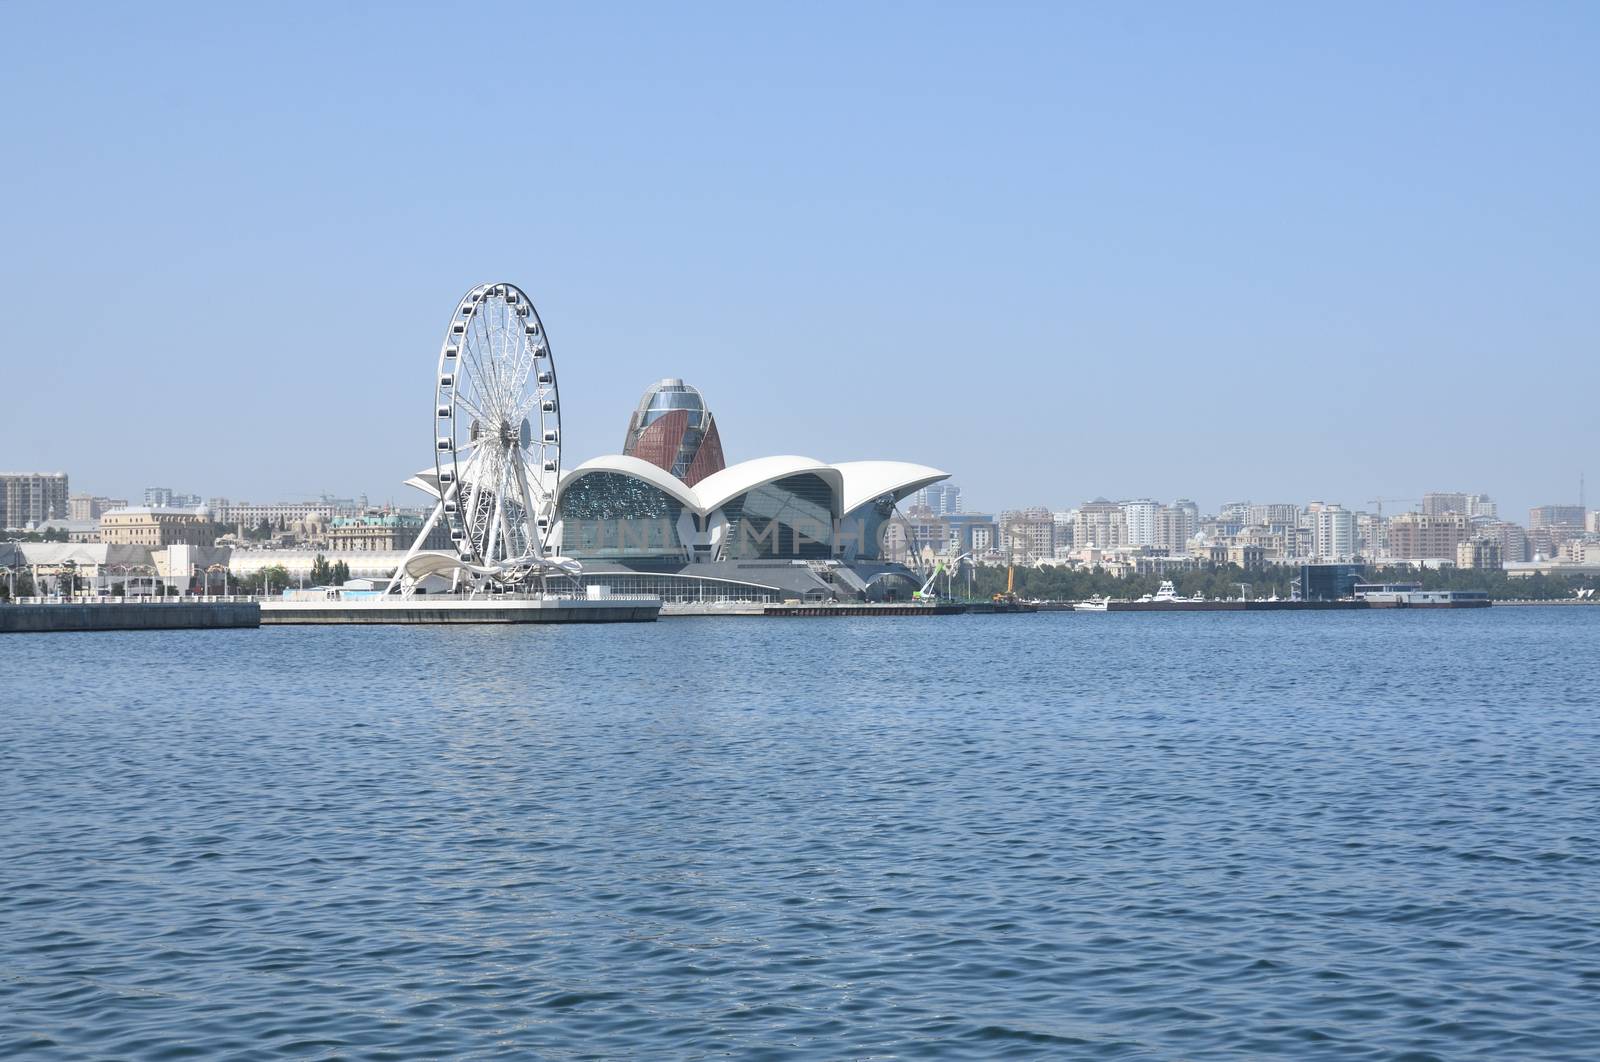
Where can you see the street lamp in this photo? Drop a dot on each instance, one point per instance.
(129, 569)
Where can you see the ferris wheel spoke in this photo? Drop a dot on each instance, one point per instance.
(491, 356)
(485, 375)
(471, 406)
(474, 376)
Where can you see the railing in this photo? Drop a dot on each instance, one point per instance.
(145, 599)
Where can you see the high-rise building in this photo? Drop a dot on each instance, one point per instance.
(927, 532)
(1028, 534)
(1333, 533)
(673, 429)
(1546, 541)
(1553, 515)
(90, 507)
(1099, 523)
(1165, 527)
(1511, 538)
(1413, 536)
(1479, 553)
(1140, 518)
(1443, 503)
(985, 538)
(1175, 526)
(167, 498)
(1372, 535)
(32, 497)
(1281, 514)
(974, 533)
(1064, 541)
(942, 499)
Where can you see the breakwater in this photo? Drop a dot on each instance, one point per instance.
(127, 616)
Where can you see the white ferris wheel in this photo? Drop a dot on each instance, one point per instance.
(497, 445)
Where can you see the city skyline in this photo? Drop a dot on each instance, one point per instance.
(1391, 504)
(1307, 260)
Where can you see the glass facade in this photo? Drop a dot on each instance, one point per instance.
(862, 529)
(790, 518)
(1329, 582)
(613, 516)
(680, 589)
(673, 430)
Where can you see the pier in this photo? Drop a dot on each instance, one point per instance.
(137, 615)
(442, 608)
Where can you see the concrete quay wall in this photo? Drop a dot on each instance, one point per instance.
(127, 616)
(301, 612)
(907, 609)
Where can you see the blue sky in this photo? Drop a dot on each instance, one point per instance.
(1245, 251)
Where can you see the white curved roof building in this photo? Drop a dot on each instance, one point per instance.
(786, 526)
(783, 506)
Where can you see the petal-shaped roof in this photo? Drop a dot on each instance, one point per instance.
(854, 483)
(427, 481)
(633, 466)
(719, 488)
(866, 480)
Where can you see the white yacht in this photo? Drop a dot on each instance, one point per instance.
(1167, 594)
(1094, 604)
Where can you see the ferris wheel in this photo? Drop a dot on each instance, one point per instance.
(497, 450)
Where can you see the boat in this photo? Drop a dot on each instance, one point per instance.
(1167, 595)
(1093, 604)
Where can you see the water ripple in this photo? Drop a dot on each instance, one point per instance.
(1209, 836)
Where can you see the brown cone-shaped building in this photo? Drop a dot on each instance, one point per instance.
(673, 430)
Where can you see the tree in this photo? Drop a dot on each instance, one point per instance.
(23, 582)
(321, 572)
(270, 579)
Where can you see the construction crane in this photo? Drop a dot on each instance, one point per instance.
(923, 594)
(1378, 503)
(1010, 596)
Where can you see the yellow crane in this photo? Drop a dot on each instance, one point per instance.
(1010, 596)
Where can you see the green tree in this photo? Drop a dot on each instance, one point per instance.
(21, 579)
(268, 580)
